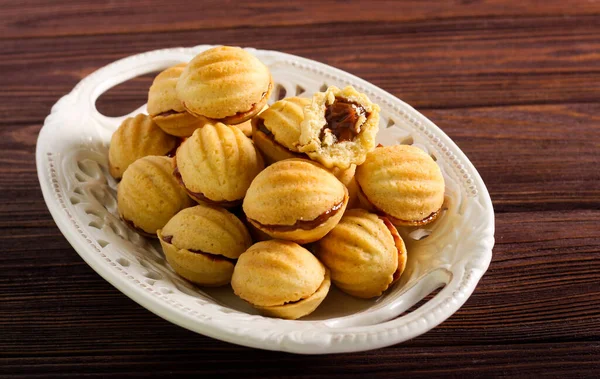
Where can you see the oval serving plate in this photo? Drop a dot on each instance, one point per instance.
(449, 255)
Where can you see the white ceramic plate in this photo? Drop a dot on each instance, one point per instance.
(453, 253)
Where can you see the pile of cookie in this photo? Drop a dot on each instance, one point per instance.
(279, 201)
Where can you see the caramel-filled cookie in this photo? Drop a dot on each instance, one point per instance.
(364, 253)
(166, 109)
(281, 279)
(148, 195)
(403, 183)
(276, 132)
(296, 200)
(339, 127)
(217, 164)
(202, 244)
(137, 137)
(225, 84)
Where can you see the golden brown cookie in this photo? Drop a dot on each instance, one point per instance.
(339, 127)
(148, 195)
(246, 126)
(296, 200)
(280, 279)
(137, 137)
(166, 109)
(202, 244)
(217, 164)
(403, 183)
(364, 253)
(226, 84)
(276, 131)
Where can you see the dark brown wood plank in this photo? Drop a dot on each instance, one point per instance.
(43, 18)
(567, 360)
(531, 157)
(439, 64)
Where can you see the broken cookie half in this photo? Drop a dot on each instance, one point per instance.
(339, 127)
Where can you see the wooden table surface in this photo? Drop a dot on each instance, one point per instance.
(516, 84)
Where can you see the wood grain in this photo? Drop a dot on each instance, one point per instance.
(514, 84)
(35, 18)
(433, 64)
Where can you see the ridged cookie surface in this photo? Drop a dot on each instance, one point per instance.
(201, 242)
(364, 253)
(166, 109)
(283, 120)
(148, 195)
(137, 137)
(219, 162)
(224, 81)
(292, 190)
(210, 229)
(273, 273)
(402, 181)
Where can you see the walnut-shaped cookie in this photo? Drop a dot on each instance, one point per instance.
(148, 195)
(246, 126)
(403, 183)
(225, 84)
(166, 109)
(217, 164)
(137, 137)
(296, 200)
(339, 127)
(202, 244)
(364, 253)
(281, 279)
(276, 132)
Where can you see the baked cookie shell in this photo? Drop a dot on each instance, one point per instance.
(303, 232)
(292, 190)
(201, 243)
(198, 267)
(403, 183)
(218, 162)
(135, 138)
(297, 309)
(364, 253)
(283, 121)
(271, 150)
(148, 195)
(225, 83)
(209, 229)
(273, 273)
(166, 109)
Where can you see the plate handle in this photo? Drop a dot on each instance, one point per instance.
(90, 89)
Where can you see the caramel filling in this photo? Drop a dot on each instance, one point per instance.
(306, 224)
(171, 153)
(200, 196)
(400, 221)
(260, 125)
(397, 242)
(212, 257)
(243, 113)
(342, 118)
(167, 113)
(136, 228)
